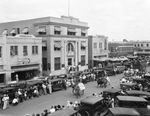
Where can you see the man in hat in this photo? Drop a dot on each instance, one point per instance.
(5, 100)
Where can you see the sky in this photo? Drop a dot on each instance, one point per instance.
(116, 19)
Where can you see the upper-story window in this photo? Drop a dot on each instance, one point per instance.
(135, 45)
(83, 45)
(105, 44)
(13, 32)
(5, 32)
(13, 50)
(42, 30)
(70, 47)
(18, 30)
(57, 46)
(83, 33)
(100, 45)
(138, 45)
(0, 51)
(57, 30)
(141, 45)
(95, 45)
(147, 45)
(25, 50)
(71, 31)
(34, 49)
(25, 30)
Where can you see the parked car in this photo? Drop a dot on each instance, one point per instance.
(109, 70)
(118, 111)
(65, 112)
(57, 84)
(128, 86)
(131, 102)
(92, 106)
(120, 68)
(143, 111)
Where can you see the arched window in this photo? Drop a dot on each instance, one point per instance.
(147, 45)
(70, 47)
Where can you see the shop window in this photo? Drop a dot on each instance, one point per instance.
(0, 51)
(44, 62)
(83, 60)
(34, 49)
(57, 63)
(57, 46)
(141, 45)
(25, 50)
(13, 50)
(95, 45)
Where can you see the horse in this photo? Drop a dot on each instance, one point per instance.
(77, 91)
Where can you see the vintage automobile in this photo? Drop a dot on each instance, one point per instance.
(65, 112)
(119, 111)
(147, 77)
(88, 76)
(143, 111)
(17, 85)
(57, 84)
(131, 102)
(112, 92)
(99, 73)
(109, 70)
(92, 106)
(128, 86)
(137, 93)
(120, 68)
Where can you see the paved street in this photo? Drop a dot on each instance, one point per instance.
(37, 105)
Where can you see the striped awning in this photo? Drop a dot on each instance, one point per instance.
(41, 30)
(83, 44)
(57, 29)
(13, 31)
(5, 32)
(57, 45)
(26, 30)
(83, 31)
(72, 30)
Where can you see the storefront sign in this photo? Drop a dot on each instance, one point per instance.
(23, 60)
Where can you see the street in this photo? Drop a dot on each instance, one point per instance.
(38, 105)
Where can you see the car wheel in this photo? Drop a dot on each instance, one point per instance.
(86, 113)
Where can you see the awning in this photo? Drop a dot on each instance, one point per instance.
(57, 44)
(5, 32)
(57, 29)
(44, 44)
(6, 71)
(83, 31)
(102, 59)
(83, 44)
(41, 30)
(25, 68)
(26, 30)
(72, 30)
(13, 31)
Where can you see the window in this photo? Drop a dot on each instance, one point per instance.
(18, 31)
(83, 45)
(57, 30)
(57, 63)
(135, 45)
(83, 33)
(44, 48)
(0, 51)
(83, 60)
(57, 45)
(70, 47)
(69, 61)
(42, 30)
(44, 62)
(13, 32)
(13, 50)
(100, 45)
(141, 45)
(71, 32)
(147, 45)
(138, 45)
(112, 49)
(95, 45)
(25, 50)
(34, 49)
(105, 44)
(25, 31)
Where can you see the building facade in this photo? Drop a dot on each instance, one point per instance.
(141, 48)
(64, 41)
(97, 48)
(20, 55)
(118, 49)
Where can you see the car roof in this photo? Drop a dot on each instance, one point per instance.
(112, 90)
(136, 92)
(63, 112)
(143, 111)
(58, 79)
(91, 100)
(128, 84)
(131, 98)
(118, 111)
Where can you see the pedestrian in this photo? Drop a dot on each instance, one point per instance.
(44, 88)
(15, 101)
(5, 100)
(49, 87)
(17, 79)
